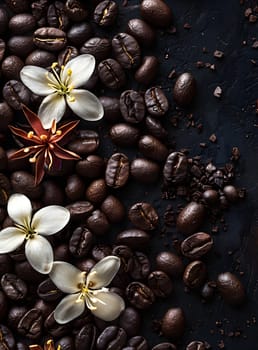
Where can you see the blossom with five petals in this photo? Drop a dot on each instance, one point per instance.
(60, 86)
(31, 229)
(87, 289)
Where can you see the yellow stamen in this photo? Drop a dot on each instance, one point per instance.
(69, 72)
(30, 134)
(59, 132)
(43, 137)
(26, 150)
(53, 66)
(71, 98)
(32, 160)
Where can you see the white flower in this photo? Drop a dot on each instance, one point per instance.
(89, 290)
(60, 87)
(45, 222)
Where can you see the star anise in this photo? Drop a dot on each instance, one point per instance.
(46, 149)
(48, 345)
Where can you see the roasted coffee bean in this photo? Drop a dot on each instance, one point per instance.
(48, 291)
(126, 50)
(79, 33)
(106, 13)
(100, 48)
(3, 306)
(2, 47)
(23, 182)
(16, 94)
(61, 252)
(138, 343)
(139, 295)
(97, 191)
(117, 170)
(152, 148)
(50, 39)
(30, 325)
(85, 264)
(56, 15)
(20, 45)
(160, 283)
(126, 257)
(143, 216)
(74, 188)
(7, 340)
(176, 168)
(195, 274)
(91, 167)
(211, 197)
(66, 55)
(170, 263)
(124, 135)
(86, 337)
(208, 290)
(190, 218)
(15, 313)
(87, 141)
(5, 189)
(141, 31)
(14, 287)
(75, 10)
(198, 345)
(156, 12)
(25, 271)
(3, 20)
(132, 106)
(55, 329)
(134, 238)
(113, 208)
(111, 338)
(52, 193)
(98, 223)
(66, 343)
(22, 23)
(196, 245)
(6, 115)
(231, 288)
(11, 67)
(140, 266)
(3, 166)
(156, 101)
(111, 108)
(80, 210)
(164, 346)
(184, 89)
(18, 6)
(40, 58)
(173, 323)
(111, 74)
(148, 70)
(144, 170)
(231, 193)
(155, 128)
(100, 251)
(5, 264)
(130, 321)
(22, 346)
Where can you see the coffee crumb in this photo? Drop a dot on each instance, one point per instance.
(213, 138)
(217, 92)
(218, 54)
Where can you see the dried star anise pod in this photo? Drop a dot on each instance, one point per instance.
(45, 149)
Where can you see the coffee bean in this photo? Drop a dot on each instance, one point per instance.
(20, 45)
(148, 70)
(208, 290)
(144, 170)
(152, 148)
(170, 263)
(124, 135)
(11, 67)
(134, 238)
(18, 6)
(5, 264)
(111, 74)
(231, 288)
(156, 102)
(198, 345)
(25, 271)
(22, 346)
(86, 142)
(23, 182)
(111, 108)
(74, 188)
(196, 245)
(126, 50)
(91, 167)
(7, 340)
(100, 251)
(156, 12)
(139, 295)
(67, 54)
(190, 218)
(211, 197)
(160, 283)
(143, 216)
(111, 338)
(15, 313)
(98, 223)
(130, 321)
(66, 343)
(79, 33)
(86, 337)
(16, 94)
(3, 20)
(231, 193)
(55, 329)
(113, 208)
(97, 191)
(50, 39)
(164, 346)
(140, 268)
(117, 170)
(141, 31)
(5, 189)
(132, 106)
(195, 274)
(184, 89)
(80, 210)
(75, 10)
(30, 325)
(48, 291)
(100, 48)
(52, 193)
(40, 58)
(155, 128)
(106, 13)
(14, 287)
(173, 323)
(176, 168)
(22, 23)
(2, 47)
(6, 115)
(56, 16)
(3, 306)
(138, 343)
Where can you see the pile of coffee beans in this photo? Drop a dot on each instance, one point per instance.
(138, 151)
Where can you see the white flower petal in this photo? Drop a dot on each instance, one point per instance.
(108, 306)
(35, 79)
(69, 308)
(103, 272)
(52, 107)
(66, 277)
(81, 69)
(10, 239)
(39, 253)
(19, 209)
(49, 220)
(86, 105)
